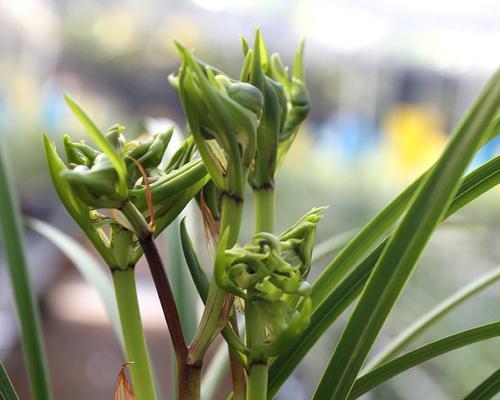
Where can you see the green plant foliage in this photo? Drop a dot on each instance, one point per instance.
(7, 391)
(473, 185)
(403, 250)
(90, 268)
(487, 389)
(13, 244)
(432, 316)
(123, 194)
(422, 354)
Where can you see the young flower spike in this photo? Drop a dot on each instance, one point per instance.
(298, 103)
(286, 105)
(256, 70)
(91, 182)
(224, 110)
(271, 273)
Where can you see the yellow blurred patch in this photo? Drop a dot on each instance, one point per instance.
(415, 138)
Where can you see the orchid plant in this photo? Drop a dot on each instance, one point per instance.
(124, 193)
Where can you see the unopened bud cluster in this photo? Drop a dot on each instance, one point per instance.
(252, 121)
(94, 190)
(271, 272)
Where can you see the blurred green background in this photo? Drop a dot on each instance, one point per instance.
(388, 81)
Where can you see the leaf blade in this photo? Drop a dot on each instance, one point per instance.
(7, 391)
(198, 275)
(486, 389)
(473, 185)
(102, 142)
(422, 354)
(11, 237)
(405, 247)
(428, 319)
(87, 265)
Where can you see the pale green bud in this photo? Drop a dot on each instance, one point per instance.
(212, 112)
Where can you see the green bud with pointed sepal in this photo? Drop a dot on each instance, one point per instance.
(79, 153)
(271, 273)
(91, 185)
(224, 110)
(297, 242)
(256, 70)
(297, 97)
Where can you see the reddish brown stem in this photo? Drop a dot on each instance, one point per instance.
(189, 376)
(165, 294)
(189, 379)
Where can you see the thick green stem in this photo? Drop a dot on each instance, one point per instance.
(188, 373)
(264, 207)
(27, 311)
(217, 307)
(256, 332)
(258, 368)
(232, 210)
(133, 334)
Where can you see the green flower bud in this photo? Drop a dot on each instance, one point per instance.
(148, 153)
(157, 146)
(270, 267)
(247, 95)
(79, 153)
(168, 185)
(297, 242)
(265, 289)
(270, 272)
(256, 71)
(284, 330)
(288, 283)
(213, 113)
(298, 103)
(96, 180)
(182, 156)
(115, 137)
(122, 246)
(96, 186)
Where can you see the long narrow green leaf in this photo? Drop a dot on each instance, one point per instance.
(7, 391)
(487, 389)
(373, 231)
(333, 274)
(428, 319)
(401, 254)
(484, 178)
(24, 295)
(184, 291)
(331, 245)
(422, 354)
(473, 185)
(102, 142)
(90, 268)
(198, 275)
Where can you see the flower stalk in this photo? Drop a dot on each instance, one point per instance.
(124, 187)
(133, 334)
(264, 210)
